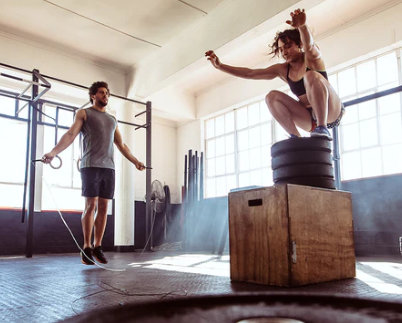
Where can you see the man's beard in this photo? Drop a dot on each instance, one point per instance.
(101, 103)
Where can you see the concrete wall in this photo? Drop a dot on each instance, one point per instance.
(377, 205)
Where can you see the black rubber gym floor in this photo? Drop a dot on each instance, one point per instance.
(51, 288)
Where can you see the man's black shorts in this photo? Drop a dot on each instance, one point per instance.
(97, 182)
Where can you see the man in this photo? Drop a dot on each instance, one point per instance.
(100, 131)
(318, 106)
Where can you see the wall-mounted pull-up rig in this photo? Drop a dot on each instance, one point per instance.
(39, 85)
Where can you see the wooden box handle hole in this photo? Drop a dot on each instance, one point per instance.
(256, 202)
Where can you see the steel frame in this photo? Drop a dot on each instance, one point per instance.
(35, 99)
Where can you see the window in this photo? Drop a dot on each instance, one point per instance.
(370, 132)
(64, 183)
(12, 162)
(237, 146)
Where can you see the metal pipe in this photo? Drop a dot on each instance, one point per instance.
(190, 178)
(56, 129)
(12, 117)
(24, 194)
(138, 114)
(47, 85)
(201, 176)
(185, 180)
(16, 68)
(196, 176)
(45, 101)
(70, 83)
(148, 210)
(31, 195)
(8, 95)
(336, 157)
(134, 124)
(24, 80)
(373, 96)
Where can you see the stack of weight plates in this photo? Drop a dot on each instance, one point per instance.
(303, 161)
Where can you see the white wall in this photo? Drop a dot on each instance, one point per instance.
(125, 178)
(130, 183)
(164, 150)
(370, 35)
(27, 54)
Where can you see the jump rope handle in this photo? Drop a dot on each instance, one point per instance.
(51, 165)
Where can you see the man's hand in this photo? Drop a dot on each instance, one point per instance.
(139, 165)
(47, 158)
(213, 58)
(298, 18)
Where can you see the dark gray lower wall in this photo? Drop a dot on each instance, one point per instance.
(174, 225)
(377, 217)
(377, 214)
(49, 233)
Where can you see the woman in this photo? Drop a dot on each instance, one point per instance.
(318, 106)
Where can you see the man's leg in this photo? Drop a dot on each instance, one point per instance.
(288, 112)
(100, 221)
(99, 230)
(322, 97)
(87, 222)
(87, 219)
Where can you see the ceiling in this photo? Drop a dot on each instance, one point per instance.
(118, 32)
(169, 37)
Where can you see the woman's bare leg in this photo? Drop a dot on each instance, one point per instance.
(288, 112)
(322, 97)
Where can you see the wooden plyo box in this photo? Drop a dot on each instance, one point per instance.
(291, 235)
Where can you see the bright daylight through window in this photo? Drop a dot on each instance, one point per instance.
(64, 182)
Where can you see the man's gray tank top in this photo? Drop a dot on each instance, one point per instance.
(98, 137)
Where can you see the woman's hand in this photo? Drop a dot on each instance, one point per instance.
(213, 58)
(298, 18)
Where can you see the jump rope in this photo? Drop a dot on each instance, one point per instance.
(68, 228)
(102, 284)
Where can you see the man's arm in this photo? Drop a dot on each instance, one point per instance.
(118, 141)
(268, 73)
(68, 138)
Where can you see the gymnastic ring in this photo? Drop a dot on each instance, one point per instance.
(78, 164)
(58, 166)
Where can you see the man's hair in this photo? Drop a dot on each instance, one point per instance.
(285, 36)
(94, 88)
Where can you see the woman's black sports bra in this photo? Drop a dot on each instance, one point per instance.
(298, 87)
